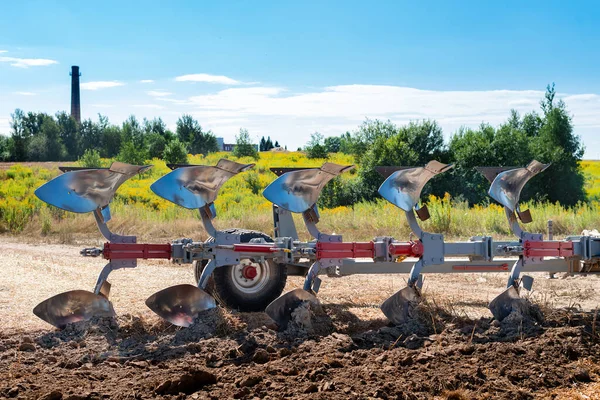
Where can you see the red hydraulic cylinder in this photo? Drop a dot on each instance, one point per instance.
(408, 249)
(255, 248)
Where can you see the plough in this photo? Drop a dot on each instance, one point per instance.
(247, 270)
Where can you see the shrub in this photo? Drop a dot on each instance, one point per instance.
(175, 153)
(91, 159)
(130, 154)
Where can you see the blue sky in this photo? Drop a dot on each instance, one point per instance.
(287, 69)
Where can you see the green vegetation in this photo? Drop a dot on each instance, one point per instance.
(243, 145)
(560, 192)
(137, 210)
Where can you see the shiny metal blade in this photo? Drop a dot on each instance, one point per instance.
(180, 304)
(85, 190)
(73, 306)
(502, 305)
(398, 307)
(298, 190)
(280, 310)
(506, 187)
(195, 186)
(403, 188)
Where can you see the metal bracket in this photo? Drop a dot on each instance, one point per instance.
(111, 237)
(311, 218)
(108, 268)
(433, 248)
(283, 223)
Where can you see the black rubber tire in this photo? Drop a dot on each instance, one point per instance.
(222, 288)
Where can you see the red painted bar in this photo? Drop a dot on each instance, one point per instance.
(480, 268)
(345, 250)
(547, 249)
(122, 251)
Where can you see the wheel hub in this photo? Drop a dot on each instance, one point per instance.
(249, 272)
(249, 276)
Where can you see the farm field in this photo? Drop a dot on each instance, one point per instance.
(452, 350)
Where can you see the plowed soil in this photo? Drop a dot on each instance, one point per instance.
(450, 350)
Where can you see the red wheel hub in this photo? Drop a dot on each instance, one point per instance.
(249, 272)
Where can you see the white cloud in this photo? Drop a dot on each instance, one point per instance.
(100, 85)
(333, 110)
(154, 106)
(147, 81)
(3, 51)
(158, 93)
(26, 62)
(26, 93)
(207, 78)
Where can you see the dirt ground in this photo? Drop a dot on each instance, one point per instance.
(451, 350)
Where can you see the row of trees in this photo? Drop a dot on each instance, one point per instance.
(547, 137)
(42, 137)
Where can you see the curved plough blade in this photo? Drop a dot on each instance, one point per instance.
(73, 306)
(180, 304)
(280, 310)
(194, 186)
(297, 191)
(85, 190)
(403, 187)
(506, 186)
(399, 306)
(503, 304)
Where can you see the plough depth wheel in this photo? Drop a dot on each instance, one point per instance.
(248, 286)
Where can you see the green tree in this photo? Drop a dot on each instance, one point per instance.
(175, 152)
(69, 135)
(269, 144)
(261, 145)
(412, 145)
(132, 154)
(315, 147)
(133, 132)
(243, 145)
(36, 148)
(190, 132)
(156, 145)
(332, 144)
(20, 136)
(485, 146)
(112, 137)
(6, 148)
(91, 135)
(55, 150)
(155, 126)
(556, 143)
(90, 159)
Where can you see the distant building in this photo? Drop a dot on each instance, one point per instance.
(228, 146)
